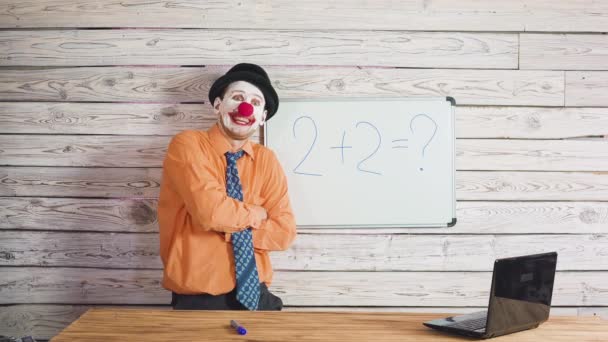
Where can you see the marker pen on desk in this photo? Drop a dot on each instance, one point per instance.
(239, 328)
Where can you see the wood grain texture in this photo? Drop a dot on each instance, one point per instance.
(103, 118)
(532, 186)
(75, 150)
(78, 214)
(139, 215)
(47, 320)
(149, 151)
(90, 182)
(314, 252)
(547, 155)
(163, 325)
(444, 15)
(16, 181)
(563, 51)
(509, 218)
(586, 88)
(530, 122)
(191, 84)
(273, 47)
(39, 321)
(86, 115)
(43, 285)
(169, 119)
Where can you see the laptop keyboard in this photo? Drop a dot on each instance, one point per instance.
(472, 324)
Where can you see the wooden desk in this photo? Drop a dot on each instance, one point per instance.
(168, 325)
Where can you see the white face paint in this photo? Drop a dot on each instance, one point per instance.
(236, 126)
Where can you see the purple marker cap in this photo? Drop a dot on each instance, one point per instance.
(239, 328)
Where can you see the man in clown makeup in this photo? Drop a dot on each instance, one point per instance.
(223, 203)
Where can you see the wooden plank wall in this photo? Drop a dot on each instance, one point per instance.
(91, 92)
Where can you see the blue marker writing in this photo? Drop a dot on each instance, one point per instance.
(239, 328)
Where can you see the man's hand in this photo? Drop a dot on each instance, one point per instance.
(259, 214)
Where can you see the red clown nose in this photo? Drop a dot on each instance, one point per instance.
(245, 109)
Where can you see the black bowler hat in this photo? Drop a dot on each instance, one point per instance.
(253, 74)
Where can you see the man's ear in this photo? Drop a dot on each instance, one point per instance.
(263, 117)
(216, 105)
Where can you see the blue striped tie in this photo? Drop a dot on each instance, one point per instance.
(247, 280)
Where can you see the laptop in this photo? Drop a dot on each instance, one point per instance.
(520, 299)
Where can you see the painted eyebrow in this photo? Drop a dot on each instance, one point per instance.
(242, 92)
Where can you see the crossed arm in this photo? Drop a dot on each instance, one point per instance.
(194, 178)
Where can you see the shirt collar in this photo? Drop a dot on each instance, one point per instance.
(221, 144)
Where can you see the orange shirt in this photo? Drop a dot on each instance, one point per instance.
(196, 216)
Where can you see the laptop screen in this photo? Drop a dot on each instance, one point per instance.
(522, 291)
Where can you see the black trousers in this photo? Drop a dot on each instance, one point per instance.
(227, 301)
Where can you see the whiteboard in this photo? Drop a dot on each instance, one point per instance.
(367, 163)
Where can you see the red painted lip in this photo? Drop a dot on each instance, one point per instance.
(250, 119)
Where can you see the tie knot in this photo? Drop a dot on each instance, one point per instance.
(233, 157)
